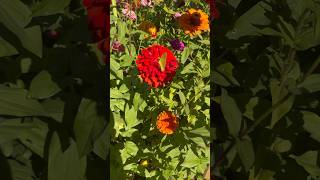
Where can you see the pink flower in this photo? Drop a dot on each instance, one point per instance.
(146, 3)
(176, 15)
(126, 11)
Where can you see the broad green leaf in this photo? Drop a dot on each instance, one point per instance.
(191, 160)
(65, 165)
(182, 97)
(85, 120)
(130, 149)
(55, 108)
(231, 112)
(14, 102)
(185, 54)
(311, 83)
(49, 7)
(131, 117)
(14, 13)
(246, 152)
(13, 129)
(6, 49)
(21, 171)
(35, 137)
(278, 93)
(16, 16)
(219, 79)
(308, 161)
(298, 7)
(245, 24)
(42, 86)
(101, 145)
(226, 70)
(311, 124)
(136, 101)
(174, 152)
(189, 68)
(163, 61)
(203, 131)
(199, 141)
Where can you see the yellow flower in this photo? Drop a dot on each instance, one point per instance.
(148, 27)
(144, 162)
(193, 22)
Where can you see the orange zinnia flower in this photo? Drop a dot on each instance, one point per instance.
(167, 122)
(194, 21)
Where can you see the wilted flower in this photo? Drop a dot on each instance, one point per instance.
(148, 27)
(177, 44)
(117, 46)
(167, 122)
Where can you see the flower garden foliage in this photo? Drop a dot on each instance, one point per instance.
(267, 82)
(159, 78)
(52, 90)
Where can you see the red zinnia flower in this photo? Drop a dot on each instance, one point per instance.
(149, 67)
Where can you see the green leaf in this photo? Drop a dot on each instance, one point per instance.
(185, 54)
(130, 149)
(231, 113)
(131, 117)
(55, 108)
(35, 138)
(311, 83)
(189, 68)
(278, 93)
(191, 160)
(308, 161)
(25, 65)
(16, 16)
(6, 49)
(101, 145)
(311, 124)
(49, 7)
(14, 13)
(14, 102)
(85, 120)
(246, 152)
(42, 86)
(65, 165)
(226, 70)
(163, 61)
(182, 97)
(13, 129)
(203, 131)
(245, 24)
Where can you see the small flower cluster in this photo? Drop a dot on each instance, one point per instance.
(157, 64)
